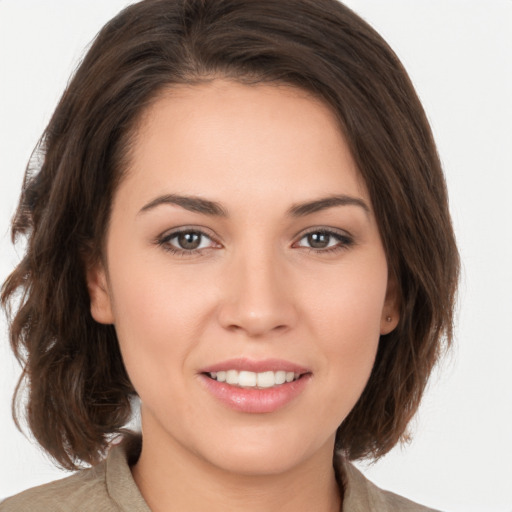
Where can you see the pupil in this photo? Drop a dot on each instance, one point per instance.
(318, 240)
(189, 240)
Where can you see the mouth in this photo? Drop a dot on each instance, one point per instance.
(251, 386)
(254, 380)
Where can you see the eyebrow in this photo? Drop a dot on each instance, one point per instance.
(191, 203)
(309, 207)
(215, 209)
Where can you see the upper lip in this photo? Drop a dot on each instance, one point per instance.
(256, 366)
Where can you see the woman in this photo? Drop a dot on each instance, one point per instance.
(241, 219)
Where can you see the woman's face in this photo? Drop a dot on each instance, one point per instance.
(243, 252)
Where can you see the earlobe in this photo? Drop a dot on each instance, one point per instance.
(391, 310)
(97, 285)
(388, 323)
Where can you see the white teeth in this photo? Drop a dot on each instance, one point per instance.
(281, 377)
(266, 379)
(247, 379)
(232, 377)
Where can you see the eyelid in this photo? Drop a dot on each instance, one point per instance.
(188, 229)
(336, 232)
(324, 229)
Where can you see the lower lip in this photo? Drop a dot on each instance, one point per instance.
(256, 401)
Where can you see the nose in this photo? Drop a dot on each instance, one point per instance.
(258, 295)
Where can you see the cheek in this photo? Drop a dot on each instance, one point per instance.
(352, 301)
(156, 319)
(347, 320)
(149, 313)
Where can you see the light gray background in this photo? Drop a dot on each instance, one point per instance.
(459, 55)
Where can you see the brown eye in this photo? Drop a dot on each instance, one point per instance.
(325, 241)
(186, 242)
(189, 240)
(318, 240)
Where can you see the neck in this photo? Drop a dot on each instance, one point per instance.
(171, 478)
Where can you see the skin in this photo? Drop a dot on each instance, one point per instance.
(257, 288)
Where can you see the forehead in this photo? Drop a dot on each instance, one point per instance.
(226, 137)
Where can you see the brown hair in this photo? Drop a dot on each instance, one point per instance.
(78, 389)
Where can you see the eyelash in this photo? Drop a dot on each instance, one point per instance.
(345, 242)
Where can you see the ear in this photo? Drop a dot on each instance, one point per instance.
(97, 285)
(391, 310)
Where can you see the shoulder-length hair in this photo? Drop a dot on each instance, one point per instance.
(78, 392)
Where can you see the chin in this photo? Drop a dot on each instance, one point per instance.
(259, 463)
(266, 453)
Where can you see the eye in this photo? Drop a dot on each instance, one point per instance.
(186, 242)
(325, 241)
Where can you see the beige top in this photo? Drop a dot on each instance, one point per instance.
(109, 487)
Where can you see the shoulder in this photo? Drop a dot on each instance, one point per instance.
(361, 494)
(84, 491)
(108, 486)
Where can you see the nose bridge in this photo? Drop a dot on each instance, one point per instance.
(257, 298)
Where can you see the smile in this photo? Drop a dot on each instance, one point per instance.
(255, 386)
(258, 380)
